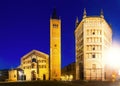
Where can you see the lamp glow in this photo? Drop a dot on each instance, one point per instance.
(112, 57)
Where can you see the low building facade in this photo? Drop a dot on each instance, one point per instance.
(4, 74)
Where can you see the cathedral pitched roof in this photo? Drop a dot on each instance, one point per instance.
(35, 52)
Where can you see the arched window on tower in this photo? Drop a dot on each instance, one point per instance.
(93, 56)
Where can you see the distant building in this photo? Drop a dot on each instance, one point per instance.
(34, 66)
(55, 47)
(4, 74)
(93, 36)
(69, 72)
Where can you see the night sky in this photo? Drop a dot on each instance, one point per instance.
(24, 26)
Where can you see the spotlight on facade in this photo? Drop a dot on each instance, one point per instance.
(113, 57)
(119, 72)
(20, 73)
(112, 61)
(67, 78)
(70, 77)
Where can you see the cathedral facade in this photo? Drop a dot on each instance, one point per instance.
(34, 66)
(93, 36)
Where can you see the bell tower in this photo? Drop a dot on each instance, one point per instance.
(55, 47)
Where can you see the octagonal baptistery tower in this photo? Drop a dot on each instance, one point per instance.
(93, 36)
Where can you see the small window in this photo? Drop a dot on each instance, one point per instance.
(33, 60)
(55, 25)
(55, 45)
(93, 48)
(93, 56)
(93, 33)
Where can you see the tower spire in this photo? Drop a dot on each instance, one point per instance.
(101, 14)
(84, 13)
(54, 14)
(77, 22)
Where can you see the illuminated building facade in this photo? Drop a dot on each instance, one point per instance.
(16, 74)
(93, 36)
(68, 72)
(34, 66)
(55, 47)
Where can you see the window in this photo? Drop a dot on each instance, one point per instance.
(55, 45)
(55, 25)
(93, 48)
(87, 32)
(33, 60)
(93, 33)
(93, 56)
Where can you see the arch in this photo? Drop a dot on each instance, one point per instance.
(34, 60)
(33, 75)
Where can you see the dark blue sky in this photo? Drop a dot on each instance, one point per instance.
(24, 26)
